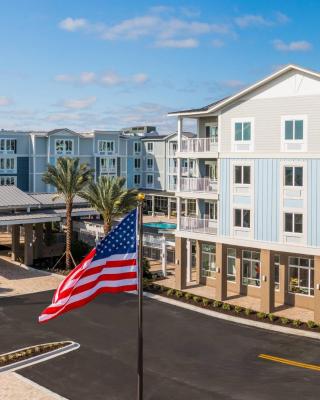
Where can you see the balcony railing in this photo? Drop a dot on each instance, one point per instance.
(198, 185)
(201, 225)
(108, 170)
(173, 170)
(172, 186)
(199, 145)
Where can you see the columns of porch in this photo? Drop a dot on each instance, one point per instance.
(15, 246)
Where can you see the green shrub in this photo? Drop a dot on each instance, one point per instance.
(261, 315)
(188, 296)
(284, 320)
(238, 309)
(248, 311)
(297, 323)
(163, 289)
(226, 306)
(196, 299)
(179, 294)
(205, 302)
(311, 324)
(170, 292)
(272, 317)
(217, 304)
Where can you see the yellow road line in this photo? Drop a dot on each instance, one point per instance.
(290, 362)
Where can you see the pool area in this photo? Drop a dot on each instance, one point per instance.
(160, 225)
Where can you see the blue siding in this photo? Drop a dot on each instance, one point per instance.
(225, 187)
(313, 196)
(97, 167)
(293, 203)
(23, 173)
(242, 200)
(266, 202)
(130, 172)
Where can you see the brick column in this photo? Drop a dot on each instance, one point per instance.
(28, 244)
(221, 273)
(317, 289)
(181, 263)
(267, 282)
(15, 247)
(283, 279)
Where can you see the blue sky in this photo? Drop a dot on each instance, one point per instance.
(102, 64)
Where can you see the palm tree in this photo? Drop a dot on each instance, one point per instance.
(110, 198)
(69, 177)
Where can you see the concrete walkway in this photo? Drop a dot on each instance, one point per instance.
(17, 280)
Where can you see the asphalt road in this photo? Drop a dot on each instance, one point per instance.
(187, 355)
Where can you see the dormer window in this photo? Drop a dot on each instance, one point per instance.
(8, 146)
(106, 146)
(64, 146)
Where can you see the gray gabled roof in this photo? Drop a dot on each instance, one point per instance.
(46, 199)
(12, 197)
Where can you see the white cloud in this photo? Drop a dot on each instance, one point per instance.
(232, 83)
(87, 77)
(140, 78)
(73, 24)
(80, 104)
(63, 78)
(217, 43)
(248, 20)
(178, 43)
(111, 79)
(300, 45)
(5, 101)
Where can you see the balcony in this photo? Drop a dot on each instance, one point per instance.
(108, 170)
(199, 225)
(199, 145)
(199, 185)
(173, 170)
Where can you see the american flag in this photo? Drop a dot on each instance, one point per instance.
(109, 268)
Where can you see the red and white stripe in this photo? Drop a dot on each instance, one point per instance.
(117, 273)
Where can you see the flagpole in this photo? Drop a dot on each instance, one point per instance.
(140, 300)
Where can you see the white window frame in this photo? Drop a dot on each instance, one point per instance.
(4, 180)
(147, 147)
(303, 142)
(211, 272)
(293, 186)
(4, 161)
(276, 264)
(134, 164)
(294, 213)
(242, 166)
(5, 150)
(252, 261)
(108, 168)
(233, 257)
(64, 145)
(148, 168)
(137, 184)
(242, 209)
(310, 268)
(104, 144)
(234, 142)
(134, 148)
(150, 185)
(215, 126)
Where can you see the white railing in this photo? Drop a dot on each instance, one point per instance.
(172, 186)
(185, 171)
(201, 225)
(199, 145)
(198, 185)
(173, 170)
(108, 170)
(152, 240)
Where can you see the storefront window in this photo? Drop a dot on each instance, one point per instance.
(276, 263)
(301, 276)
(231, 264)
(208, 260)
(251, 268)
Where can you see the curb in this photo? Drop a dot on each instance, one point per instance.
(39, 358)
(231, 318)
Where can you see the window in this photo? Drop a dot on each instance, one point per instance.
(108, 164)
(8, 146)
(137, 180)
(231, 264)
(7, 164)
(276, 264)
(250, 268)
(208, 260)
(137, 163)
(150, 163)
(150, 180)
(7, 180)
(212, 133)
(137, 147)
(106, 146)
(242, 131)
(293, 222)
(242, 218)
(242, 174)
(64, 146)
(150, 147)
(293, 129)
(301, 276)
(211, 210)
(293, 176)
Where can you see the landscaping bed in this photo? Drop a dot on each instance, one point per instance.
(229, 309)
(30, 352)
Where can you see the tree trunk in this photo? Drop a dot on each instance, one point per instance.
(68, 233)
(107, 226)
